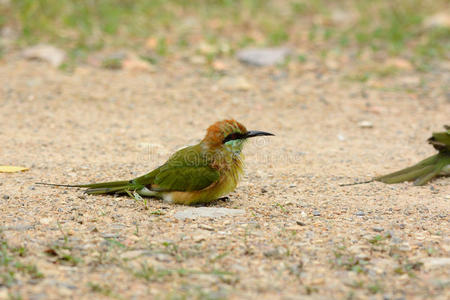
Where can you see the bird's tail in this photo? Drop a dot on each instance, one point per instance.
(102, 187)
(421, 172)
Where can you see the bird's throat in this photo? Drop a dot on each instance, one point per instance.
(234, 146)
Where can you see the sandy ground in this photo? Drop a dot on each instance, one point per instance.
(302, 235)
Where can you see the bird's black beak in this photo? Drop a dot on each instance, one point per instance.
(253, 133)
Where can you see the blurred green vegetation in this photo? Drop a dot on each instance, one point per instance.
(12, 264)
(387, 27)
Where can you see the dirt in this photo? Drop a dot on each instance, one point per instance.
(301, 236)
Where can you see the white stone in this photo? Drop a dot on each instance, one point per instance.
(365, 124)
(47, 53)
(263, 56)
(430, 263)
(207, 212)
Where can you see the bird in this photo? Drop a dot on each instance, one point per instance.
(425, 170)
(195, 175)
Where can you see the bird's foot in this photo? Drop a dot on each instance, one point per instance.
(137, 197)
(134, 195)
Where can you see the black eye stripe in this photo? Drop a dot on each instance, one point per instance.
(232, 136)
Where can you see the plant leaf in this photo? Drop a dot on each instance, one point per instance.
(12, 169)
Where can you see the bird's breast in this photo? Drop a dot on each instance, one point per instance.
(227, 182)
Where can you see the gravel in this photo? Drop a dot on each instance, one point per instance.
(267, 229)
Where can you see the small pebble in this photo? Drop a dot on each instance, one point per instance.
(110, 235)
(199, 238)
(205, 227)
(163, 257)
(301, 223)
(263, 56)
(360, 213)
(5, 197)
(278, 252)
(45, 221)
(378, 229)
(365, 124)
(404, 247)
(316, 213)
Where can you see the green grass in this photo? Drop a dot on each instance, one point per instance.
(153, 274)
(380, 27)
(100, 289)
(103, 289)
(376, 240)
(11, 264)
(63, 255)
(350, 262)
(150, 273)
(408, 268)
(375, 288)
(114, 242)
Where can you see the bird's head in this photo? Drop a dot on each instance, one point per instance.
(229, 135)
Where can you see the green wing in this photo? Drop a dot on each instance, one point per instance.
(187, 170)
(185, 178)
(441, 140)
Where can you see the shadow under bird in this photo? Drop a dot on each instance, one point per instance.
(196, 174)
(425, 170)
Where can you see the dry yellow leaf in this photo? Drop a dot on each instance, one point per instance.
(12, 169)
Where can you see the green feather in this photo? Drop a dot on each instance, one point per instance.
(187, 170)
(90, 185)
(186, 178)
(110, 184)
(421, 172)
(102, 187)
(427, 169)
(108, 190)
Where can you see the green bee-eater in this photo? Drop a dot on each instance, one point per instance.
(427, 169)
(193, 175)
